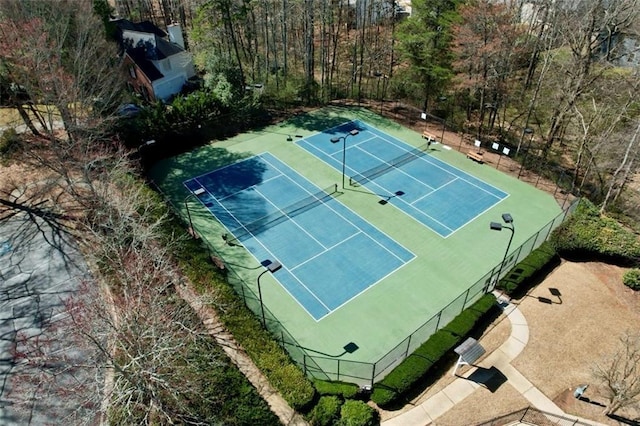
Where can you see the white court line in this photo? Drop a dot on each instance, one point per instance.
(290, 218)
(328, 249)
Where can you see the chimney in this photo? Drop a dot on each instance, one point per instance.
(175, 34)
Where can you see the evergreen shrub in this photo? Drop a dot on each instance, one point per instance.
(587, 234)
(631, 279)
(326, 412)
(538, 260)
(345, 390)
(357, 413)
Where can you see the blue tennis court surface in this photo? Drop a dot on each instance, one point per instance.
(329, 254)
(431, 191)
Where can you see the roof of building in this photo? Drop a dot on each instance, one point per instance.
(138, 56)
(166, 48)
(143, 27)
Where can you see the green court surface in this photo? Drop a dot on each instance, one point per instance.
(381, 318)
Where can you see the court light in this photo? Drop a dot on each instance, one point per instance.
(497, 226)
(272, 267)
(336, 139)
(198, 192)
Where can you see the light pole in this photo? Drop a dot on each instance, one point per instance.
(344, 149)
(196, 193)
(528, 131)
(496, 226)
(271, 267)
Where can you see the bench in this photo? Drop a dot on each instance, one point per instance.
(428, 136)
(476, 156)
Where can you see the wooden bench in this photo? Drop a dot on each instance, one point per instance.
(476, 156)
(428, 136)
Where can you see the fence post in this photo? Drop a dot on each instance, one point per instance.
(406, 353)
(439, 317)
(373, 374)
(550, 229)
(338, 377)
(466, 296)
(520, 251)
(304, 363)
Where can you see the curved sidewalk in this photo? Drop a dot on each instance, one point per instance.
(500, 359)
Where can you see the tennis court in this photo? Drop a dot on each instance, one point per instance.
(328, 253)
(354, 271)
(429, 190)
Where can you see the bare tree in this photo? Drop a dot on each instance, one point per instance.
(486, 48)
(619, 374)
(57, 55)
(580, 25)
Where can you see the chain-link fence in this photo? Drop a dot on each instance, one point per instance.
(367, 373)
(533, 416)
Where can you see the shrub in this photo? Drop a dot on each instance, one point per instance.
(537, 261)
(418, 364)
(631, 279)
(326, 412)
(345, 390)
(357, 413)
(9, 140)
(589, 234)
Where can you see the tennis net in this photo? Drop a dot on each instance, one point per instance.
(253, 228)
(383, 168)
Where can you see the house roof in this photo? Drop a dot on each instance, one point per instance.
(166, 49)
(143, 27)
(138, 56)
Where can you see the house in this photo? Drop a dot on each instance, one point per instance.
(156, 63)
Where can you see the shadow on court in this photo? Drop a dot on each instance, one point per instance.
(328, 118)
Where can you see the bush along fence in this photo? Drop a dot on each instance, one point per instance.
(365, 374)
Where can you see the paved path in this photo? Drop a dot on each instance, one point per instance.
(239, 357)
(496, 362)
(40, 268)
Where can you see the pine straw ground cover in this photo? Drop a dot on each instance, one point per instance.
(566, 337)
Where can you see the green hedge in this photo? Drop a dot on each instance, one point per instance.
(326, 412)
(588, 234)
(537, 261)
(344, 390)
(418, 364)
(357, 413)
(631, 279)
(9, 140)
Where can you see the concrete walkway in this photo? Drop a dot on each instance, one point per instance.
(496, 362)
